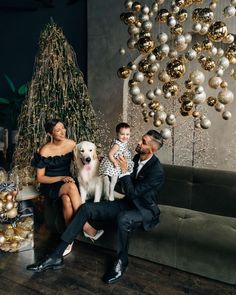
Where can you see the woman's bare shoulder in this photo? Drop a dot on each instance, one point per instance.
(71, 143)
(45, 150)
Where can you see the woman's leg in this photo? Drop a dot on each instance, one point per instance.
(71, 202)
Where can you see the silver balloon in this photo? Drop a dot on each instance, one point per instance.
(162, 37)
(134, 90)
(170, 119)
(150, 95)
(225, 96)
(128, 4)
(226, 115)
(205, 123)
(138, 99)
(138, 76)
(219, 107)
(166, 133)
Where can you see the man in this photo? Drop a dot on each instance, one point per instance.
(138, 207)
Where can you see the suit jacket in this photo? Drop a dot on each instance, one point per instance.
(143, 190)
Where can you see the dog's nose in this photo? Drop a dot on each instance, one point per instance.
(88, 160)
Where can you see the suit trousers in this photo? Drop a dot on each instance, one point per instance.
(122, 211)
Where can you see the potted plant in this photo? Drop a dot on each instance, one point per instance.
(10, 107)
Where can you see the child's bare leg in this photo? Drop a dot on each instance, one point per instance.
(112, 186)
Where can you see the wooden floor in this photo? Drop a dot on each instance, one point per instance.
(84, 268)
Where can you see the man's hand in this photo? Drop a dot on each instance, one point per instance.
(123, 164)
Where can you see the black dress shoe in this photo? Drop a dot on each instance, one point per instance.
(46, 263)
(115, 273)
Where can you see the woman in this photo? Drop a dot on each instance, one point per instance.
(53, 173)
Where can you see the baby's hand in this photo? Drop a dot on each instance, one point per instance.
(116, 164)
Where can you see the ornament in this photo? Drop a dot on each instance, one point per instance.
(170, 119)
(128, 18)
(226, 115)
(217, 31)
(171, 87)
(162, 38)
(211, 101)
(214, 82)
(225, 96)
(219, 107)
(197, 77)
(182, 15)
(162, 15)
(136, 6)
(175, 69)
(123, 72)
(145, 44)
(134, 90)
(166, 133)
(163, 76)
(205, 123)
(231, 53)
(122, 51)
(138, 76)
(138, 99)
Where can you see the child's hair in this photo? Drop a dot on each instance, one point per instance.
(121, 125)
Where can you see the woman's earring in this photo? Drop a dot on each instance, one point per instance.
(51, 138)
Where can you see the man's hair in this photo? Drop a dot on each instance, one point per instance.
(156, 136)
(121, 125)
(50, 124)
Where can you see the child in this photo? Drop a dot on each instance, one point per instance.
(109, 166)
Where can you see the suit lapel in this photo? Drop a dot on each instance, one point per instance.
(146, 166)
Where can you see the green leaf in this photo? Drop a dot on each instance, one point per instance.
(10, 82)
(4, 100)
(22, 90)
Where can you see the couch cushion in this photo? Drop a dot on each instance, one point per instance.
(192, 241)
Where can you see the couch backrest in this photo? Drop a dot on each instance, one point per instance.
(205, 190)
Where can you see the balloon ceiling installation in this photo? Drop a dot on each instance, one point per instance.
(165, 67)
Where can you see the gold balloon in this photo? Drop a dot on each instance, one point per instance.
(187, 3)
(162, 15)
(182, 15)
(177, 30)
(230, 53)
(196, 15)
(179, 3)
(184, 97)
(196, 114)
(187, 105)
(209, 64)
(176, 68)
(217, 31)
(223, 84)
(154, 105)
(207, 44)
(171, 87)
(206, 15)
(145, 44)
(211, 101)
(150, 81)
(159, 54)
(128, 18)
(197, 47)
(132, 82)
(157, 123)
(184, 113)
(136, 6)
(188, 84)
(123, 72)
(143, 66)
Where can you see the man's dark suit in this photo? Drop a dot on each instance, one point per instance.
(139, 207)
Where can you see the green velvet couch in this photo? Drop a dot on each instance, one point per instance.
(197, 229)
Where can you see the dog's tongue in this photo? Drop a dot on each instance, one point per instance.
(87, 167)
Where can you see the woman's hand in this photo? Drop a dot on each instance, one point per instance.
(68, 179)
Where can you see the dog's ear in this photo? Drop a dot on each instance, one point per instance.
(95, 156)
(75, 152)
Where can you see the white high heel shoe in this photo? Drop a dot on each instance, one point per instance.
(68, 249)
(99, 233)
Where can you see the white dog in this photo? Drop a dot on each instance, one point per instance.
(87, 164)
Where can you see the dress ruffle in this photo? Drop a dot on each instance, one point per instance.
(40, 161)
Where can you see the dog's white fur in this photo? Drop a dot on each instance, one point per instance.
(90, 183)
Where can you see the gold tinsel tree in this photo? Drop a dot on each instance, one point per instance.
(57, 90)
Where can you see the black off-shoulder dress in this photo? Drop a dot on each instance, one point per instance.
(54, 166)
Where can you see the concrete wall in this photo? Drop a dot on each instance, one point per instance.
(215, 147)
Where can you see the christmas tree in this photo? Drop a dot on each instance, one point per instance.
(57, 90)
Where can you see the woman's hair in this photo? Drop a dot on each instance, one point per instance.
(50, 124)
(121, 125)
